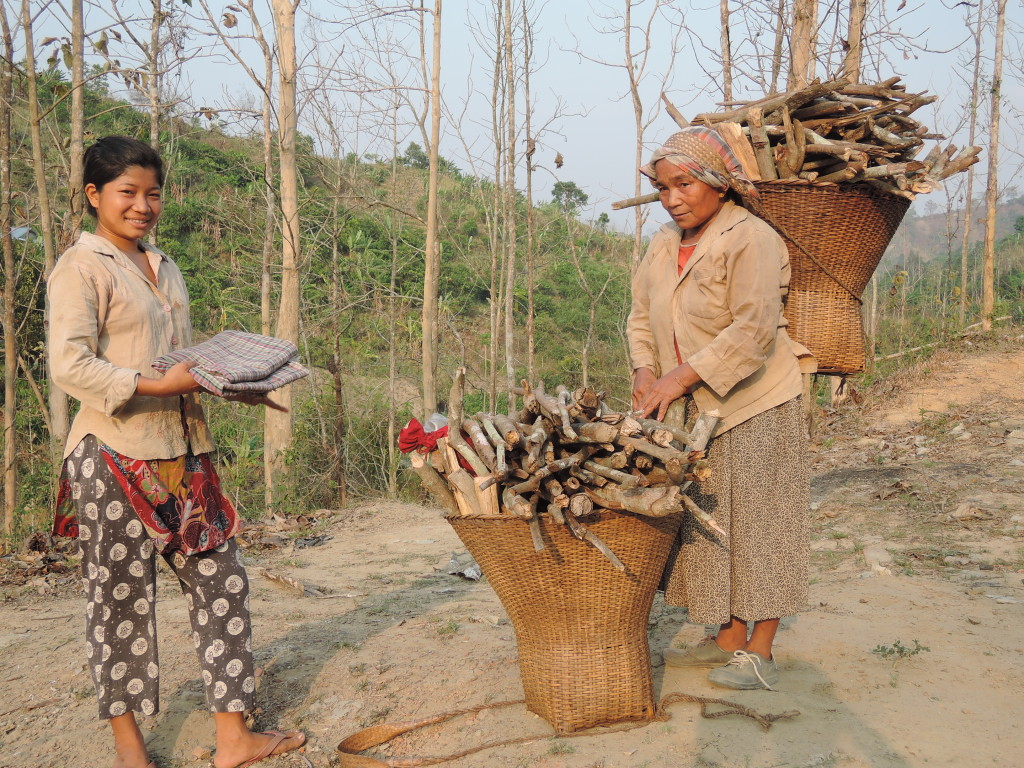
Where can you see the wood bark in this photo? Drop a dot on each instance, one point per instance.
(57, 400)
(992, 183)
(723, 16)
(76, 149)
(10, 455)
(972, 133)
(432, 257)
(803, 43)
(278, 430)
(154, 75)
(855, 40)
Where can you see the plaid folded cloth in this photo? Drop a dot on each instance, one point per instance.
(236, 361)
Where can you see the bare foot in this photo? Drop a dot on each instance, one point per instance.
(249, 746)
(129, 745)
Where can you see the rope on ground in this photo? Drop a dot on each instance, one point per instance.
(374, 736)
(730, 708)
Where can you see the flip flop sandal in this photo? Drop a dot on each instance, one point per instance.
(276, 737)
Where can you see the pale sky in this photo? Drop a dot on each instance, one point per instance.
(595, 130)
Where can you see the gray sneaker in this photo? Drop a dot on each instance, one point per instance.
(746, 671)
(704, 654)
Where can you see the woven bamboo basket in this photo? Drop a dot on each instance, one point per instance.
(846, 229)
(580, 624)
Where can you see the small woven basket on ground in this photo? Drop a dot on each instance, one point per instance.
(580, 624)
(844, 231)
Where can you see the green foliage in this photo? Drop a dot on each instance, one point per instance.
(898, 650)
(568, 196)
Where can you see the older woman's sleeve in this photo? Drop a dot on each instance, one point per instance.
(754, 271)
(76, 301)
(642, 353)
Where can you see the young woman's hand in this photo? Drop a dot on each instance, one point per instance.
(661, 393)
(254, 398)
(176, 381)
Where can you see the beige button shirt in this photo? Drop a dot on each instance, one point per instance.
(724, 312)
(108, 323)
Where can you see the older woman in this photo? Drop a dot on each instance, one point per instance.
(706, 331)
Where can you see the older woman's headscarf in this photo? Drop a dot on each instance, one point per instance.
(703, 153)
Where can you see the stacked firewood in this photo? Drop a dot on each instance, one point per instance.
(838, 132)
(568, 455)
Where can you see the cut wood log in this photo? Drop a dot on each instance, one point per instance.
(481, 444)
(651, 502)
(434, 484)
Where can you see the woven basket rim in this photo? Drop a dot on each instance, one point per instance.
(829, 186)
(547, 516)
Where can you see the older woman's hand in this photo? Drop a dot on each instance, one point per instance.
(643, 378)
(666, 390)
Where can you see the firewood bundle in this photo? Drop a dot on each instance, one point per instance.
(838, 132)
(566, 454)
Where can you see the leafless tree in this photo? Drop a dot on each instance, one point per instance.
(278, 428)
(58, 404)
(992, 182)
(10, 455)
(972, 132)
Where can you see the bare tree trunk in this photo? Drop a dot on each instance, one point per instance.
(393, 233)
(723, 12)
(57, 400)
(432, 268)
(153, 79)
(510, 208)
(278, 430)
(873, 323)
(492, 213)
(340, 478)
(852, 63)
(780, 38)
(10, 459)
(76, 202)
(965, 243)
(992, 184)
(638, 123)
(803, 43)
(270, 224)
(531, 222)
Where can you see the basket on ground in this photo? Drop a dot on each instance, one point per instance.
(846, 229)
(580, 624)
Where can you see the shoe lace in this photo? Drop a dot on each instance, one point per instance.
(739, 658)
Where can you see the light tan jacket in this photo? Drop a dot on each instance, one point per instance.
(725, 313)
(108, 323)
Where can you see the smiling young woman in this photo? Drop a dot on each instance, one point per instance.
(138, 478)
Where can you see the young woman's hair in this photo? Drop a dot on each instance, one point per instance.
(111, 156)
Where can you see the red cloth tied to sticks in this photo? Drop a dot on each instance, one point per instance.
(414, 438)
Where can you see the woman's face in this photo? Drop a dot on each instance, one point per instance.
(127, 207)
(692, 204)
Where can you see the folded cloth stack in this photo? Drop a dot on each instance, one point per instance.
(236, 361)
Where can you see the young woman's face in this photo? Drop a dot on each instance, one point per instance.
(127, 207)
(691, 203)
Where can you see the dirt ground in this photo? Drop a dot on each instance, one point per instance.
(910, 652)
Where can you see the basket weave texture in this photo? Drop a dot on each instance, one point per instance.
(847, 229)
(580, 624)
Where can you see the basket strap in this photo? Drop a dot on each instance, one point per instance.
(374, 736)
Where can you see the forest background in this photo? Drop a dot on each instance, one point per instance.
(348, 175)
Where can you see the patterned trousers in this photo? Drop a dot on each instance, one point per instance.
(119, 574)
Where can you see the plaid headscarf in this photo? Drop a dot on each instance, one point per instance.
(703, 153)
